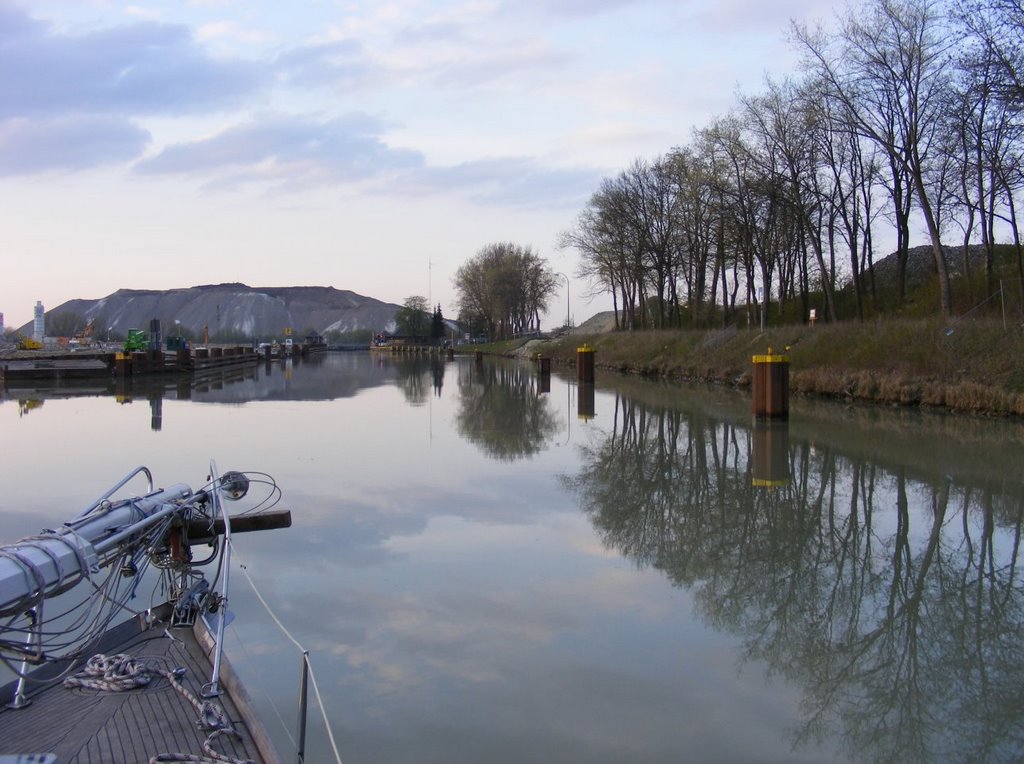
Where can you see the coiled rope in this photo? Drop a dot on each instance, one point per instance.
(121, 672)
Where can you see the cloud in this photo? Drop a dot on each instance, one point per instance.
(339, 64)
(573, 8)
(515, 181)
(230, 30)
(74, 143)
(730, 17)
(431, 32)
(473, 68)
(294, 152)
(80, 99)
(139, 68)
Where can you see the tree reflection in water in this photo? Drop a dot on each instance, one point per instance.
(886, 592)
(418, 376)
(501, 411)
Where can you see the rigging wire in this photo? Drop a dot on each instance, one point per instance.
(294, 641)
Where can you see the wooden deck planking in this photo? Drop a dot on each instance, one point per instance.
(86, 726)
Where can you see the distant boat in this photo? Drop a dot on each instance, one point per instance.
(156, 687)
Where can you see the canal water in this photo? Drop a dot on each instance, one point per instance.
(490, 566)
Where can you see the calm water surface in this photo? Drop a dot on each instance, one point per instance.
(486, 568)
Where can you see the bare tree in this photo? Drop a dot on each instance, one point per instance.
(888, 70)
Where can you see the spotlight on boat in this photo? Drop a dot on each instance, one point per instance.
(234, 485)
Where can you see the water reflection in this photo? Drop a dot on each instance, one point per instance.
(883, 585)
(417, 377)
(503, 411)
(462, 608)
(339, 375)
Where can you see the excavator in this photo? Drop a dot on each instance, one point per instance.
(137, 340)
(83, 338)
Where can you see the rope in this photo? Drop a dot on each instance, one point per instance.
(211, 756)
(122, 672)
(115, 673)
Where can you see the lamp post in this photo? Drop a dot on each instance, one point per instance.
(566, 300)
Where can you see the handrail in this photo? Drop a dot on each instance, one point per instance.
(112, 491)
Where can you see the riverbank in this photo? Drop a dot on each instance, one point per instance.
(975, 366)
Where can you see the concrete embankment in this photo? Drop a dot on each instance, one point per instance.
(975, 367)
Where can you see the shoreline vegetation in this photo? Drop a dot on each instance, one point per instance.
(974, 366)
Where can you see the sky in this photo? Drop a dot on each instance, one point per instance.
(369, 146)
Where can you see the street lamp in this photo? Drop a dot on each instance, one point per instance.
(566, 300)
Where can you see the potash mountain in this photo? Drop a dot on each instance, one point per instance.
(235, 310)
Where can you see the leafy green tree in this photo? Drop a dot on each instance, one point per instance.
(504, 289)
(413, 318)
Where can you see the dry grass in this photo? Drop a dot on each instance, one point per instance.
(967, 366)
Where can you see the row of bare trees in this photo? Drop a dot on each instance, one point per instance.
(907, 112)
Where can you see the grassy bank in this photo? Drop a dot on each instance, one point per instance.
(972, 366)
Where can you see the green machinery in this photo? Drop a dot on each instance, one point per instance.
(137, 340)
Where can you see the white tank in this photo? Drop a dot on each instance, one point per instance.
(39, 322)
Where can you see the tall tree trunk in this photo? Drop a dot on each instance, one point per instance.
(945, 293)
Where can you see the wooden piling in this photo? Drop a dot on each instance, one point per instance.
(585, 365)
(770, 399)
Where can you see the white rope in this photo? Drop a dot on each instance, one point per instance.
(263, 686)
(245, 572)
(115, 673)
(122, 672)
(312, 675)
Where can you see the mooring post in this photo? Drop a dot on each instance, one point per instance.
(585, 364)
(770, 398)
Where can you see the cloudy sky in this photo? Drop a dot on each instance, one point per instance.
(371, 146)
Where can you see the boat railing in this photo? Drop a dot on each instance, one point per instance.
(307, 678)
(117, 486)
(212, 689)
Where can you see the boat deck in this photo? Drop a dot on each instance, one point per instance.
(82, 726)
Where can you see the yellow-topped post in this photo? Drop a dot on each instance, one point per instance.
(771, 386)
(585, 364)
